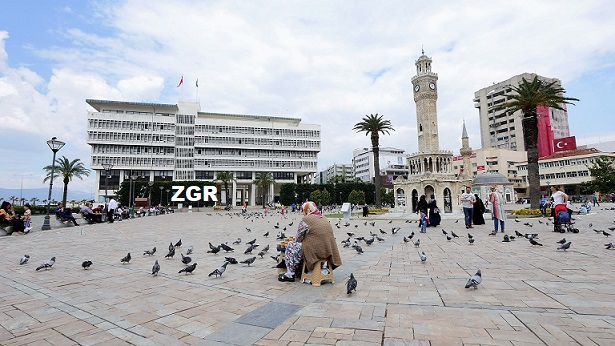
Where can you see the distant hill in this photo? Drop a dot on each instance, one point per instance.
(41, 194)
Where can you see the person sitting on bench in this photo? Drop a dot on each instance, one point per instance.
(65, 214)
(90, 214)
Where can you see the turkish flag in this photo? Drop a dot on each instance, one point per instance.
(564, 144)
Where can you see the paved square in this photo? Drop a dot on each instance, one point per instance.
(529, 295)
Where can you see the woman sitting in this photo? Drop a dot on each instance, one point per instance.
(8, 218)
(314, 242)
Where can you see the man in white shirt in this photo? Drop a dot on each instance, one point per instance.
(467, 202)
(111, 209)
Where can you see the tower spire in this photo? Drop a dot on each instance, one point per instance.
(464, 132)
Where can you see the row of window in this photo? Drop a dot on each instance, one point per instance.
(254, 163)
(255, 131)
(131, 149)
(130, 125)
(226, 141)
(561, 175)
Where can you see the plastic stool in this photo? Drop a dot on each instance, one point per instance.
(316, 277)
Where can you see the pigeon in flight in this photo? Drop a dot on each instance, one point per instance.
(565, 246)
(186, 259)
(171, 253)
(24, 259)
(179, 243)
(475, 280)
(86, 264)
(423, 257)
(249, 261)
(190, 249)
(220, 270)
(155, 268)
(563, 241)
(188, 269)
(150, 252)
(47, 264)
(126, 258)
(232, 260)
(238, 241)
(351, 285)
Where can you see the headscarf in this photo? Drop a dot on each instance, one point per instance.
(310, 207)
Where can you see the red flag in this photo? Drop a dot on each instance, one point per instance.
(181, 81)
(564, 144)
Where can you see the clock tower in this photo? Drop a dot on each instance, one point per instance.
(425, 90)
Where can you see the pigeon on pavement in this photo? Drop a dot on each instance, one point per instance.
(249, 261)
(150, 252)
(226, 247)
(231, 260)
(155, 268)
(565, 246)
(475, 280)
(351, 285)
(533, 242)
(563, 241)
(188, 269)
(185, 259)
(423, 257)
(126, 258)
(190, 249)
(47, 264)
(24, 259)
(86, 264)
(417, 243)
(238, 241)
(171, 253)
(610, 246)
(179, 243)
(219, 271)
(214, 250)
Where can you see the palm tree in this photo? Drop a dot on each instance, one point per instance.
(67, 169)
(526, 97)
(264, 179)
(13, 199)
(225, 178)
(373, 125)
(33, 200)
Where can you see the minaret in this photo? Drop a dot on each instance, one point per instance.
(425, 97)
(466, 153)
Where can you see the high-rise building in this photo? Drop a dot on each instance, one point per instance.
(336, 172)
(159, 142)
(392, 164)
(501, 129)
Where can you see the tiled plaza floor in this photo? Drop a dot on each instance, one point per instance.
(529, 295)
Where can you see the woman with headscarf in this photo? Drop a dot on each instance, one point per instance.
(314, 242)
(497, 209)
(479, 209)
(434, 212)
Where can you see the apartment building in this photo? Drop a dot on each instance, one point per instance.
(342, 172)
(392, 164)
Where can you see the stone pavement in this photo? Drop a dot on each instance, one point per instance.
(529, 295)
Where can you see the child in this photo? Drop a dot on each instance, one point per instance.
(423, 216)
(27, 213)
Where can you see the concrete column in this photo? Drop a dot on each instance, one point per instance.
(252, 194)
(234, 194)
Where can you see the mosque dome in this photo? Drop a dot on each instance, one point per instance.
(491, 178)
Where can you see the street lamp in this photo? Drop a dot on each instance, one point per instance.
(150, 184)
(167, 199)
(55, 145)
(548, 187)
(132, 184)
(161, 188)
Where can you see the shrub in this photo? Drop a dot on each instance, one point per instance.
(378, 210)
(527, 212)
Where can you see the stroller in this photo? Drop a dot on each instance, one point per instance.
(562, 220)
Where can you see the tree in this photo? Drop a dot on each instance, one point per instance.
(264, 179)
(67, 169)
(374, 125)
(356, 197)
(603, 174)
(13, 199)
(316, 197)
(226, 178)
(525, 98)
(33, 200)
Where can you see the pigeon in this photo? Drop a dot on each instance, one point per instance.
(249, 261)
(471, 241)
(565, 246)
(149, 253)
(506, 239)
(211, 246)
(249, 230)
(563, 241)
(350, 234)
(171, 247)
(24, 259)
(47, 264)
(219, 271)
(406, 240)
(351, 285)
(369, 241)
(179, 243)
(533, 242)
(517, 220)
(423, 257)
(170, 254)
(238, 241)
(606, 233)
(448, 237)
(494, 233)
(226, 247)
(379, 238)
(475, 280)
(417, 243)
(444, 232)
(457, 221)
(188, 269)
(411, 235)
(86, 264)
(261, 253)
(358, 248)
(190, 249)
(232, 260)
(186, 259)
(382, 232)
(249, 250)
(454, 235)
(291, 223)
(518, 234)
(610, 246)
(214, 250)
(470, 236)
(155, 268)
(126, 258)
(266, 248)
(394, 230)
(591, 225)
(266, 234)
(251, 242)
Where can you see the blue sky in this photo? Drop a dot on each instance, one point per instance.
(328, 62)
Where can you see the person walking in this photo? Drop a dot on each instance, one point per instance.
(497, 206)
(111, 209)
(467, 202)
(479, 210)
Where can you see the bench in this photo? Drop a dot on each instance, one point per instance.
(63, 219)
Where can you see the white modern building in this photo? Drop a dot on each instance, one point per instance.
(343, 172)
(392, 164)
(179, 142)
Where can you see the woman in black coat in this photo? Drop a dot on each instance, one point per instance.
(434, 212)
(479, 209)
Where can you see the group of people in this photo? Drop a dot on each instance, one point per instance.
(474, 208)
(429, 213)
(12, 223)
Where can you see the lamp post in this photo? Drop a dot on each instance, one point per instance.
(131, 202)
(161, 188)
(55, 145)
(150, 184)
(167, 199)
(548, 187)
(340, 197)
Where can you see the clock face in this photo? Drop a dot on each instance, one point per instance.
(417, 88)
(432, 86)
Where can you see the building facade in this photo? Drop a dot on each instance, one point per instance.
(336, 172)
(501, 129)
(392, 164)
(158, 142)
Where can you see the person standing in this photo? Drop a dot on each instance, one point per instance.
(434, 212)
(423, 220)
(543, 205)
(497, 205)
(595, 200)
(111, 209)
(26, 218)
(365, 210)
(467, 202)
(479, 210)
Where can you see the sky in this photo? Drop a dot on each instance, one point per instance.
(326, 62)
